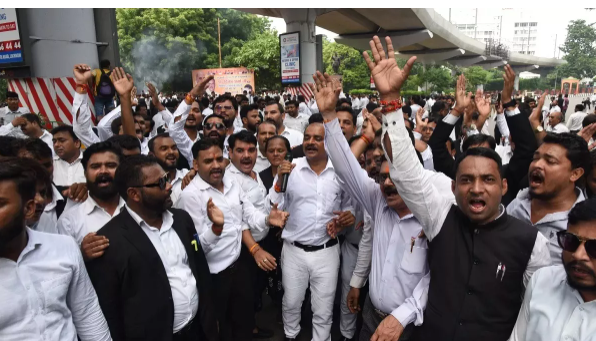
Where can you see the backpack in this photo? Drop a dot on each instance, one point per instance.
(105, 88)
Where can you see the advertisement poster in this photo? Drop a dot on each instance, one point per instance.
(232, 80)
(10, 40)
(290, 58)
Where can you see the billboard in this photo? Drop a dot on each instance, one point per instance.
(10, 39)
(233, 80)
(289, 48)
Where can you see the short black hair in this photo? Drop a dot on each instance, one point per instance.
(279, 106)
(482, 152)
(32, 118)
(115, 125)
(67, 129)
(406, 109)
(589, 119)
(12, 94)
(7, 146)
(244, 136)
(17, 171)
(315, 118)
(151, 143)
(576, 146)
(130, 172)
(104, 64)
(478, 139)
(292, 102)
(100, 147)
(125, 142)
(204, 144)
(582, 212)
(243, 98)
(245, 109)
(350, 111)
(205, 102)
(266, 122)
(438, 106)
(225, 97)
(37, 148)
(370, 107)
(416, 99)
(579, 107)
(344, 100)
(42, 175)
(279, 137)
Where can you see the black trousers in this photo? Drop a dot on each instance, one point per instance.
(234, 297)
(190, 332)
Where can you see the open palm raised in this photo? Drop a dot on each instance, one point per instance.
(388, 77)
(123, 82)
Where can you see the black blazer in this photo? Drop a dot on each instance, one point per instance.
(132, 286)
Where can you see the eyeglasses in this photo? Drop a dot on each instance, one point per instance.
(217, 126)
(226, 107)
(570, 242)
(161, 183)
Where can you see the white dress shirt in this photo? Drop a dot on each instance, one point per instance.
(558, 129)
(298, 123)
(220, 251)
(47, 137)
(47, 295)
(556, 108)
(84, 218)
(6, 115)
(174, 258)
(66, 174)
(82, 124)
(48, 222)
(262, 162)
(177, 184)
(294, 136)
(311, 200)
(553, 310)
(549, 225)
(574, 122)
(422, 197)
(256, 193)
(303, 108)
(10, 130)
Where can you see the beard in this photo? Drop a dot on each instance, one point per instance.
(102, 193)
(156, 204)
(573, 283)
(12, 229)
(165, 166)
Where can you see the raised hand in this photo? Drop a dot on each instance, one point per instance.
(587, 132)
(420, 123)
(122, 81)
(387, 75)
(482, 104)
(326, 90)
(284, 168)
(462, 100)
(82, 73)
(370, 126)
(19, 121)
(216, 216)
(277, 217)
(508, 83)
(199, 89)
(535, 115)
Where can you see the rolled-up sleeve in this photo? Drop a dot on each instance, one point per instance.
(412, 310)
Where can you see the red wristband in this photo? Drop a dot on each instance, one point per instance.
(390, 106)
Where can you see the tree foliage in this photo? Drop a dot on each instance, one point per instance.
(3, 89)
(436, 78)
(262, 55)
(580, 51)
(475, 75)
(165, 45)
(353, 68)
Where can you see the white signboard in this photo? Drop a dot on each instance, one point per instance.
(290, 58)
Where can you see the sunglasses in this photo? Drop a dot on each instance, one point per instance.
(161, 183)
(226, 107)
(570, 242)
(217, 126)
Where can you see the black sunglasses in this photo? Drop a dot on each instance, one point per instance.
(161, 183)
(570, 242)
(217, 126)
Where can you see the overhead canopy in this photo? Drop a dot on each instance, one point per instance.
(415, 31)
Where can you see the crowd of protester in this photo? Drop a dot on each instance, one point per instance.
(172, 216)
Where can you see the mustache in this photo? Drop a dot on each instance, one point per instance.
(580, 266)
(216, 171)
(388, 190)
(103, 178)
(311, 147)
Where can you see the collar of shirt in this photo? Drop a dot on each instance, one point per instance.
(302, 163)
(90, 205)
(260, 155)
(526, 203)
(46, 134)
(167, 216)
(33, 241)
(232, 169)
(56, 196)
(179, 176)
(78, 159)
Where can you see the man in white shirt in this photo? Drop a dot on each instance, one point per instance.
(274, 112)
(233, 298)
(153, 282)
(165, 150)
(314, 198)
(82, 221)
(302, 106)
(560, 301)
(27, 125)
(249, 114)
(12, 110)
(294, 119)
(558, 164)
(265, 131)
(67, 162)
(574, 122)
(555, 123)
(46, 292)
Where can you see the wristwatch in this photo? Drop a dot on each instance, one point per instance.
(538, 129)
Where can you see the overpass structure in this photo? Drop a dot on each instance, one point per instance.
(414, 31)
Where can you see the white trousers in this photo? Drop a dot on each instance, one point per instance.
(299, 269)
(347, 320)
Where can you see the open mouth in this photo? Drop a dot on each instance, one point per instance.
(246, 162)
(579, 271)
(171, 158)
(477, 205)
(216, 173)
(103, 181)
(213, 135)
(536, 178)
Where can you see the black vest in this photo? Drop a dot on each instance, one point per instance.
(467, 299)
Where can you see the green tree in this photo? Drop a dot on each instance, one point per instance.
(580, 51)
(475, 75)
(262, 55)
(165, 45)
(353, 68)
(439, 77)
(3, 89)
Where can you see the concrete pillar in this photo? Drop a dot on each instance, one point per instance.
(62, 38)
(303, 20)
(516, 83)
(106, 31)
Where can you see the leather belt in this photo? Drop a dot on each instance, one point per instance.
(310, 248)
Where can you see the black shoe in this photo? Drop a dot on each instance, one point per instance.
(262, 334)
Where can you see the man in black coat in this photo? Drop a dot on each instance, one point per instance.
(153, 281)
